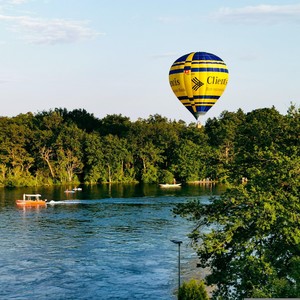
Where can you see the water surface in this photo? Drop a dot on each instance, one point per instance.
(100, 243)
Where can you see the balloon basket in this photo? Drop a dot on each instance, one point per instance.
(198, 125)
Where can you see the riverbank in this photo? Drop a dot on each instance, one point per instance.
(204, 181)
(190, 270)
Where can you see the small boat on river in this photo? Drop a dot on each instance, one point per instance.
(170, 185)
(31, 200)
(77, 189)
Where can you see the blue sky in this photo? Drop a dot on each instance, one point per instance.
(113, 56)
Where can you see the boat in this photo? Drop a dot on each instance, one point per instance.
(170, 185)
(69, 192)
(31, 200)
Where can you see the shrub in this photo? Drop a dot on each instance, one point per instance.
(193, 290)
(166, 176)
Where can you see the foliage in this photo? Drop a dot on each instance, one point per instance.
(166, 176)
(249, 237)
(61, 146)
(222, 134)
(192, 290)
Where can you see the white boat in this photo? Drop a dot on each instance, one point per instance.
(170, 185)
(69, 192)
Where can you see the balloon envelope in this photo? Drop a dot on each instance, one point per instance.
(198, 79)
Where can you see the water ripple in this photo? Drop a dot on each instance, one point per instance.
(92, 249)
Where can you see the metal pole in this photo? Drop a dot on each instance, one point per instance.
(179, 266)
(178, 243)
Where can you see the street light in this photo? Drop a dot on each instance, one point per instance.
(178, 243)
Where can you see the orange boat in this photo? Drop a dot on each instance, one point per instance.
(31, 200)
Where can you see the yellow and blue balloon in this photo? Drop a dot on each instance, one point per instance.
(198, 80)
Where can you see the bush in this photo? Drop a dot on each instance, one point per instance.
(166, 176)
(193, 290)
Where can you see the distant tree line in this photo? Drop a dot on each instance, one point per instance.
(61, 146)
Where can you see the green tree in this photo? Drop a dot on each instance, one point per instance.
(15, 160)
(117, 125)
(162, 134)
(117, 159)
(68, 165)
(83, 120)
(94, 159)
(48, 126)
(250, 236)
(150, 156)
(69, 153)
(190, 161)
(166, 176)
(188, 164)
(222, 133)
(262, 132)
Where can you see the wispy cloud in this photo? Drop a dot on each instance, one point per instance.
(260, 14)
(168, 20)
(11, 3)
(53, 31)
(17, 1)
(164, 55)
(249, 56)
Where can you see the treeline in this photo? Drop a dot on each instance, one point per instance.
(61, 146)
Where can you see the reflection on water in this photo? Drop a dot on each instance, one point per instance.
(101, 243)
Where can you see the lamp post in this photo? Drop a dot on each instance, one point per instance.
(178, 243)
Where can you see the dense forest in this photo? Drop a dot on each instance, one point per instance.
(61, 146)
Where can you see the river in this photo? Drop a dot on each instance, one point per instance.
(104, 242)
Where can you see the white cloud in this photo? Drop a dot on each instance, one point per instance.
(260, 13)
(54, 31)
(163, 55)
(17, 1)
(11, 3)
(250, 56)
(169, 20)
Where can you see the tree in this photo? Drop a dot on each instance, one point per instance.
(69, 165)
(115, 125)
(222, 133)
(166, 176)
(16, 161)
(69, 153)
(150, 156)
(190, 161)
(250, 236)
(48, 127)
(117, 158)
(82, 119)
(187, 164)
(47, 154)
(94, 159)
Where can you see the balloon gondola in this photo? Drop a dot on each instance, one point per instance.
(198, 79)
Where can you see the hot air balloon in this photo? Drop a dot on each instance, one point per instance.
(198, 79)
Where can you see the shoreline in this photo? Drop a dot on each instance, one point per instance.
(203, 182)
(189, 270)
